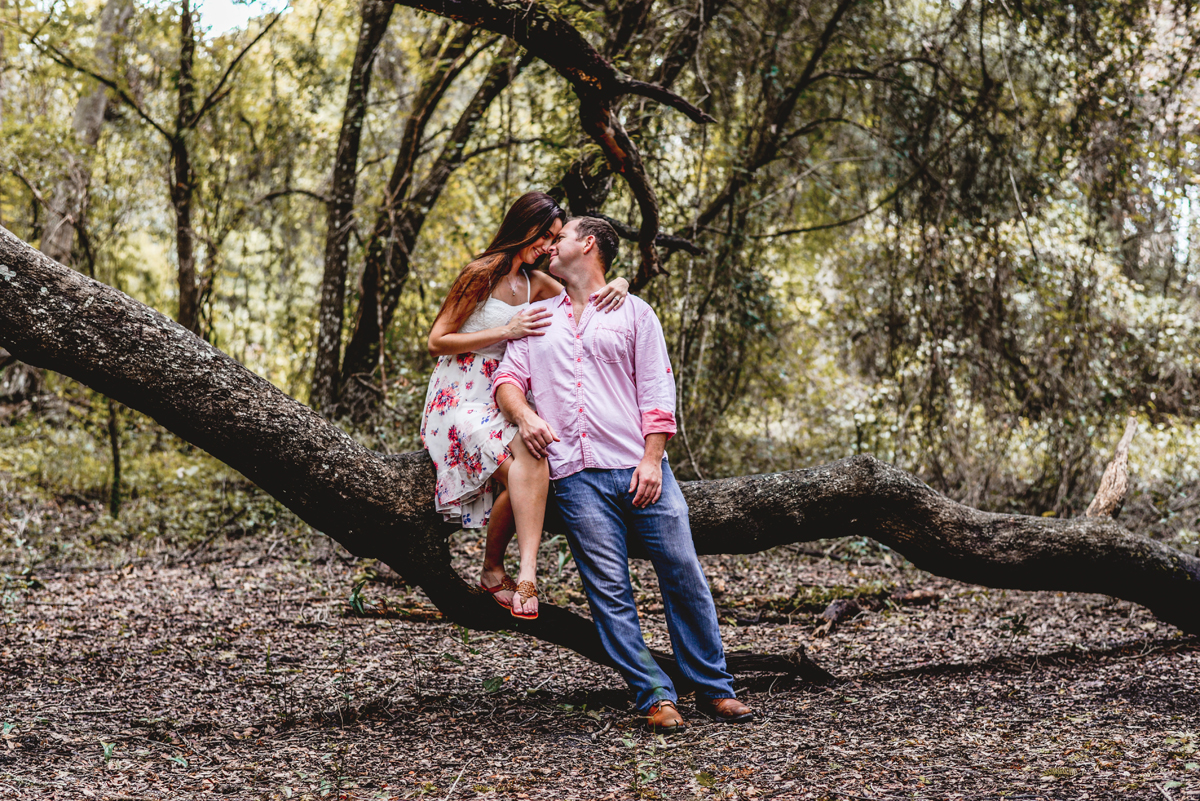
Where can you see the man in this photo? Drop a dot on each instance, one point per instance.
(605, 407)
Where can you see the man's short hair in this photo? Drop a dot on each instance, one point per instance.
(605, 235)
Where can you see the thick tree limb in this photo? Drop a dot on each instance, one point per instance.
(862, 496)
(379, 506)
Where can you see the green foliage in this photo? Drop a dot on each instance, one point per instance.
(965, 245)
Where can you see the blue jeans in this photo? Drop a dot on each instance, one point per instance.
(598, 510)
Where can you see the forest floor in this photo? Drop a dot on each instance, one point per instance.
(235, 669)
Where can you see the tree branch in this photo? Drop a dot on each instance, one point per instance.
(769, 143)
(291, 191)
(215, 96)
(667, 98)
(598, 85)
(65, 60)
(555, 41)
(626, 231)
(900, 187)
(533, 140)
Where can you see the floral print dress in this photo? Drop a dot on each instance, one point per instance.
(464, 431)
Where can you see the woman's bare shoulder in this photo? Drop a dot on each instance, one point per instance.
(543, 286)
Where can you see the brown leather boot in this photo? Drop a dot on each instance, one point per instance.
(724, 710)
(664, 717)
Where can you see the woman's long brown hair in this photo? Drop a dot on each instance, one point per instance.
(529, 218)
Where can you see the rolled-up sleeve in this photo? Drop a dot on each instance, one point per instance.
(514, 368)
(652, 376)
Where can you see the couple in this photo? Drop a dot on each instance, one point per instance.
(595, 363)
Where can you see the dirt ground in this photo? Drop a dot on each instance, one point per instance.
(233, 670)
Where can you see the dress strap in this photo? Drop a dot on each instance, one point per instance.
(528, 289)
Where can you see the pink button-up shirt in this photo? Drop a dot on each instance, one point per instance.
(602, 382)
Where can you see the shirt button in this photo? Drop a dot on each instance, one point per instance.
(585, 433)
(581, 408)
(579, 360)
(579, 384)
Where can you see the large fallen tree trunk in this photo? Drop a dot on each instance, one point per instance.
(380, 506)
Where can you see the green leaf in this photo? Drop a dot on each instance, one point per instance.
(493, 684)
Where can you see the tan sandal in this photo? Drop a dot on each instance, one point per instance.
(527, 590)
(506, 583)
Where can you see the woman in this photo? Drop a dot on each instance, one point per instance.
(466, 435)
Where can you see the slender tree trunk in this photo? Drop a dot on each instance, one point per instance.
(340, 208)
(3, 65)
(114, 443)
(69, 201)
(182, 186)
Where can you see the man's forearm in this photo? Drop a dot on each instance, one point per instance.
(656, 444)
(512, 402)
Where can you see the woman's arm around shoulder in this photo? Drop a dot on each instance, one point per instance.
(613, 295)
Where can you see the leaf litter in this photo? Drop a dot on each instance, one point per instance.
(282, 668)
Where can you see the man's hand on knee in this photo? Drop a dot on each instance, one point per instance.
(536, 433)
(646, 482)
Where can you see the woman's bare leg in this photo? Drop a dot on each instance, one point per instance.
(528, 482)
(499, 534)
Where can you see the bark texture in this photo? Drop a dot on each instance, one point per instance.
(379, 506)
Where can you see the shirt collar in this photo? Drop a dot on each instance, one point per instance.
(564, 299)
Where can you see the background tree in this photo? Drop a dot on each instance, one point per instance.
(190, 110)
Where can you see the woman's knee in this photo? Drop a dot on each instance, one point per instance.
(536, 467)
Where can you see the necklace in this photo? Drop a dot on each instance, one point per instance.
(512, 284)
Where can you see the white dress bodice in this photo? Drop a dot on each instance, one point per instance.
(493, 313)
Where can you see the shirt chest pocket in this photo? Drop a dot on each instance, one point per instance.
(610, 344)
